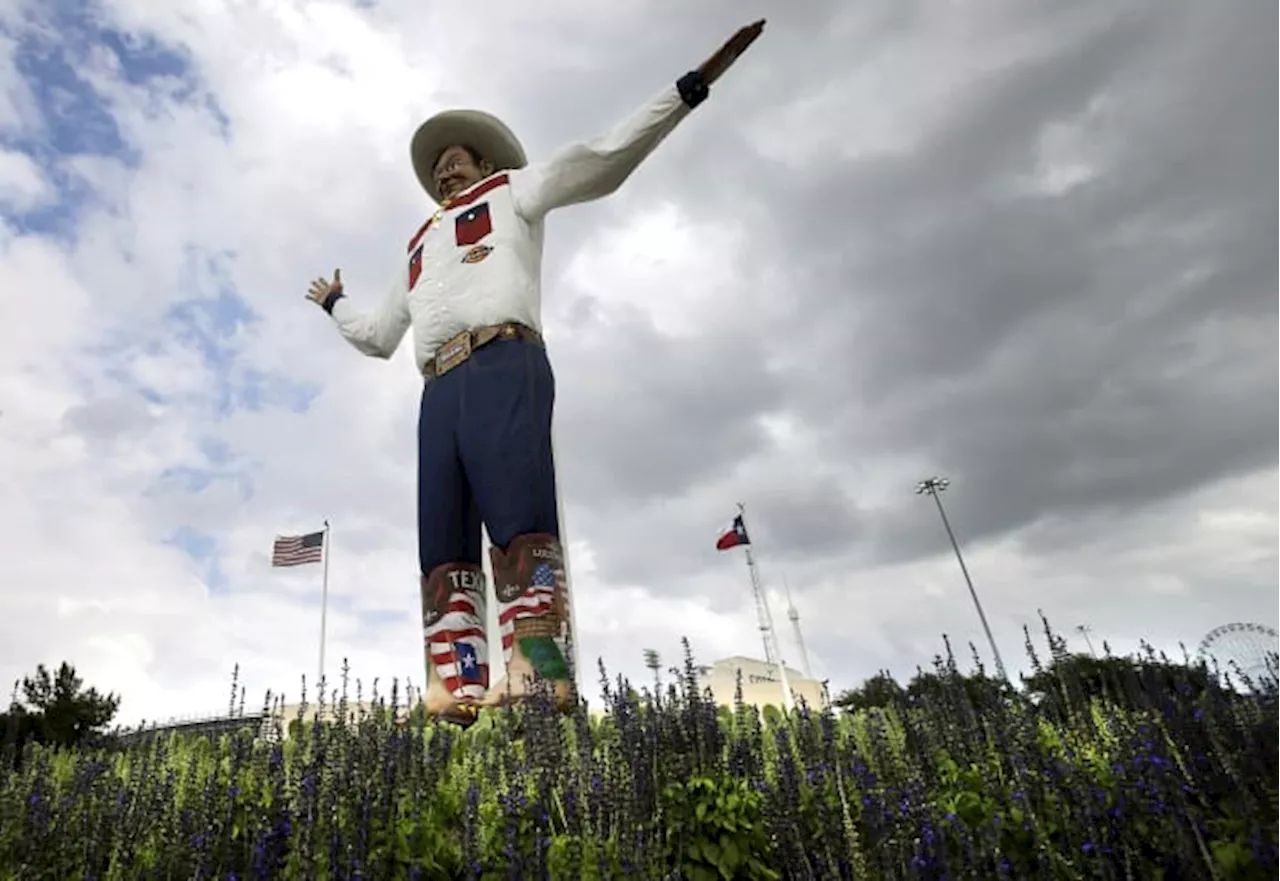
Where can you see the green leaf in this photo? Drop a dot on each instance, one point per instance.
(760, 870)
(711, 852)
(702, 873)
(731, 856)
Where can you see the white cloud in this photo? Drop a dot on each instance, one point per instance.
(22, 185)
(662, 263)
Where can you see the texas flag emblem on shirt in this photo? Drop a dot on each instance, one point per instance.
(733, 536)
(415, 266)
(473, 225)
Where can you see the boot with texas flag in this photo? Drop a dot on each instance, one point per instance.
(528, 581)
(457, 652)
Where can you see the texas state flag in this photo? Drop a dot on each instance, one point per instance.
(473, 225)
(733, 536)
(468, 664)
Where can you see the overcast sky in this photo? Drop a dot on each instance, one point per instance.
(1027, 246)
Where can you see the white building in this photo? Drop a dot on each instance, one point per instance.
(760, 684)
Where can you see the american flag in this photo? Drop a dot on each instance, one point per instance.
(537, 598)
(294, 550)
(458, 648)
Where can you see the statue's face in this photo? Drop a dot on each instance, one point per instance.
(458, 168)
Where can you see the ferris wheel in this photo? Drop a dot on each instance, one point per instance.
(1240, 650)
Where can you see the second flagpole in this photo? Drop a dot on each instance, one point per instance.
(574, 635)
(324, 601)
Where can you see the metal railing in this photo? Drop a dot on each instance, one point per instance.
(205, 725)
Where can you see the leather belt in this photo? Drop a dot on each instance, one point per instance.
(458, 350)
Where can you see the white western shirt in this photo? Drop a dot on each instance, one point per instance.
(479, 262)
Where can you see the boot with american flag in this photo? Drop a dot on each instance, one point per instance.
(528, 581)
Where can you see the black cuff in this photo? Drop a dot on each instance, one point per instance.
(693, 90)
(327, 305)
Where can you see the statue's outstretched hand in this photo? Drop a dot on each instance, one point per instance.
(321, 288)
(726, 55)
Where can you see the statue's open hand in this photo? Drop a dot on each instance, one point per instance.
(322, 288)
(726, 55)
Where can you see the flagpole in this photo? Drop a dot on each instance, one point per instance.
(575, 635)
(771, 636)
(324, 601)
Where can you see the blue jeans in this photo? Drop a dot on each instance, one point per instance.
(484, 453)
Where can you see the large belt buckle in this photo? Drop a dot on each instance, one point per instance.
(453, 353)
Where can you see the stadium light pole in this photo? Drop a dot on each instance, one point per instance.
(1084, 630)
(933, 486)
(652, 661)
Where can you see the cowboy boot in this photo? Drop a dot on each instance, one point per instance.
(457, 652)
(529, 585)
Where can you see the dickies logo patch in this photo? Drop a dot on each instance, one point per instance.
(478, 253)
(473, 225)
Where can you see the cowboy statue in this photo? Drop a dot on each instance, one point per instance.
(470, 287)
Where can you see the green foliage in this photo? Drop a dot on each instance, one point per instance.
(976, 796)
(715, 829)
(579, 856)
(979, 691)
(1074, 680)
(953, 777)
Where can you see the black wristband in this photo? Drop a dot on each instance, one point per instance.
(693, 89)
(333, 297)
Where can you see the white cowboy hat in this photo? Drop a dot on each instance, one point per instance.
(483, 132)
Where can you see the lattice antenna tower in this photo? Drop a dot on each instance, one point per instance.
(772, 651)
(795, 625)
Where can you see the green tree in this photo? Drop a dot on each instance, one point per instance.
(56, 709)
(1073, 680)
(981, 691)
(881, 690)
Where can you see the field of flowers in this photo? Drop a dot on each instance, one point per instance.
(1165, 782)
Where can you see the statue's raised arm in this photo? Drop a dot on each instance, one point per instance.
(587, 170)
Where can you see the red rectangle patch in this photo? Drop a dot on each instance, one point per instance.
(473, 225)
